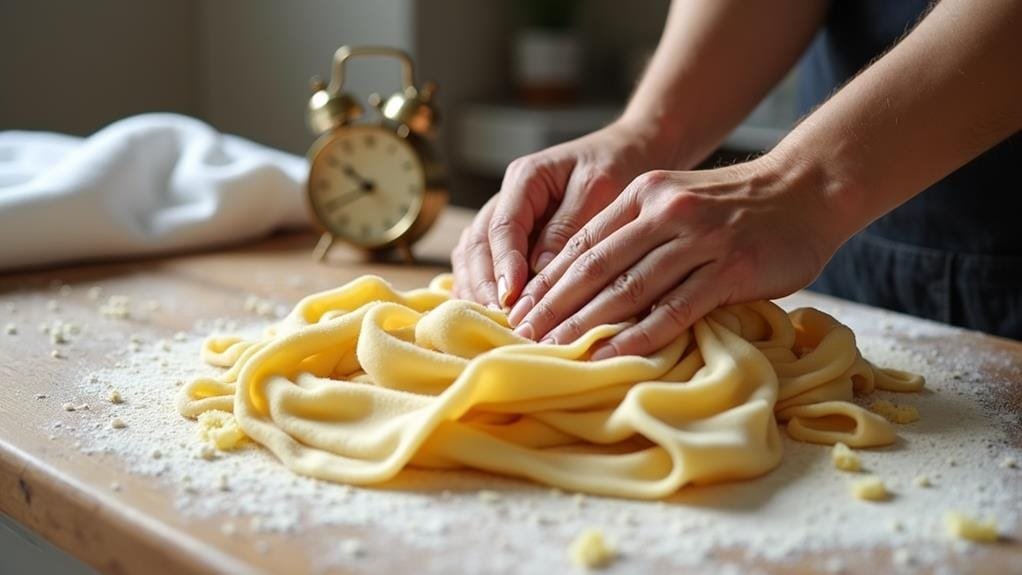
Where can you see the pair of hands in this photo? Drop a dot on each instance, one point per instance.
(609, 240)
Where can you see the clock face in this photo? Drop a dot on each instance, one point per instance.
(366, 185)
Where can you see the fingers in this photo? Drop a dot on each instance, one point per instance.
(633, 292)
(472, 263)
(599, 228)
(588, 276)
(587, 192)
(527, 191)
(677, 311)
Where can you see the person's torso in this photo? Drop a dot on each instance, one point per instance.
(953, 252)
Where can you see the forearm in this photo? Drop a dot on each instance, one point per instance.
(715, 61)
(949, 91)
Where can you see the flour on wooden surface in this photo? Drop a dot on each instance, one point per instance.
(953, 458)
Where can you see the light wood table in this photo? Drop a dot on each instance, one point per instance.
(53, 490)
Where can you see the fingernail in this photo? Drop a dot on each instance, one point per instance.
(502, 291)
(525, 330)
(518, 312)
(605, 351)
(543, 261)
(547, 340)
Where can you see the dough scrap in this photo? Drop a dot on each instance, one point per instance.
(361, 381)
(900, 414)
(870, 488)
(844, 458)
(220, 429)
(590, 550)
(964, 527)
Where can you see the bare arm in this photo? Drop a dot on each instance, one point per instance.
(715, 61)
(691, 241)
(949, 91)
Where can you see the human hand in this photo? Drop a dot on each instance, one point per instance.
(681, 243)
(548, 195)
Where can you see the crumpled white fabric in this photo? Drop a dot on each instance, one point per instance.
(143, 185)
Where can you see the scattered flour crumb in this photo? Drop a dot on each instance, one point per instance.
(115, 397)
(902, 557)
(489, 496)
(116, 307)
(1008, 463)
(922, 481)
(352, 548)
(118, 423)
(11, 328)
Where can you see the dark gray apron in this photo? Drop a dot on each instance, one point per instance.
(954, 252)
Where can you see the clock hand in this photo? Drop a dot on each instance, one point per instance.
(366, 185)
(343, 200)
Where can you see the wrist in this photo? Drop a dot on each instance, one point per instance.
(827, 204)
(656, 138)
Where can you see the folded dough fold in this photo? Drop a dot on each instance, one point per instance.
(361, 381)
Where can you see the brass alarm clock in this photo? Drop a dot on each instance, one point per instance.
(375, 185)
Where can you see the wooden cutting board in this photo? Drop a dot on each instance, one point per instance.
(50, 488)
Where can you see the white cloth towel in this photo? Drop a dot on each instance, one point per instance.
(143, 185)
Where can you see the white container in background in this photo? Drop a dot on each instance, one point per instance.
(547, 65)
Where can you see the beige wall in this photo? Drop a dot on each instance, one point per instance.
(258, 56)
(74, 66)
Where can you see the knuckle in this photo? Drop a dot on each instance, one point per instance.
(482, 285)
(630, 287)
(651, 179)
(539, 285)
(504, 224)
(681, 204)
(678, 310)
(560, 230)
(638, 339)
(545, 313)
(597, 180)
(475, 244)
(579, 243)
(524, 166)
(570, 330)
(592, 265)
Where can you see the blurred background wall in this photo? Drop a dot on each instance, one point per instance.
(74, 66)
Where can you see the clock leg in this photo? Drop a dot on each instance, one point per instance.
(405, 250)
(326, 241)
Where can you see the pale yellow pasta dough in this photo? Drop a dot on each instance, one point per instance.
(844, 458)
(590, 550)
(964, 527)
(361, 381)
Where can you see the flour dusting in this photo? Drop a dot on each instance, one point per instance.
(476, 522)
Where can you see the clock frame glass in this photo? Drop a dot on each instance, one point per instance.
(366, 185)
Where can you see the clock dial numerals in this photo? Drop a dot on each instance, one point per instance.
(369, 185)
